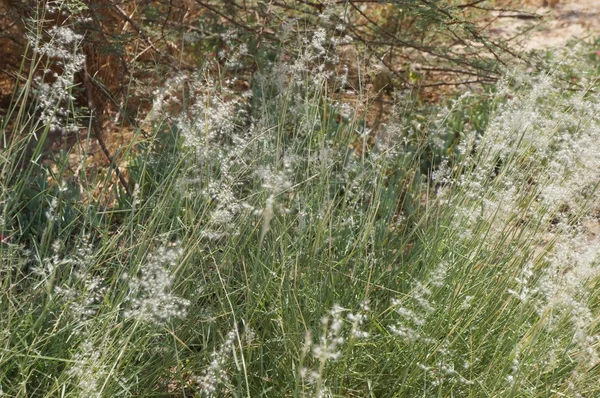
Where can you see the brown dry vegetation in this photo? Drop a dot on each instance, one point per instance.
(133, 47)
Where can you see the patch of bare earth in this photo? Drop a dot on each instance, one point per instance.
(551, 24)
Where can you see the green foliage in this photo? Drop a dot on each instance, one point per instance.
(274, 247)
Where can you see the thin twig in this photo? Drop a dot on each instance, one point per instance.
(474, 3)
(96, 129)
(145, 37)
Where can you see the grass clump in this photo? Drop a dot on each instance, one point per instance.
(272, 248)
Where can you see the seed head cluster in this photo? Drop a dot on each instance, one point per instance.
(150, 298)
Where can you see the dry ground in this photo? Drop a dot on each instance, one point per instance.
(566, 20)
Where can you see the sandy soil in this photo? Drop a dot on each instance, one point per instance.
(555, 26)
